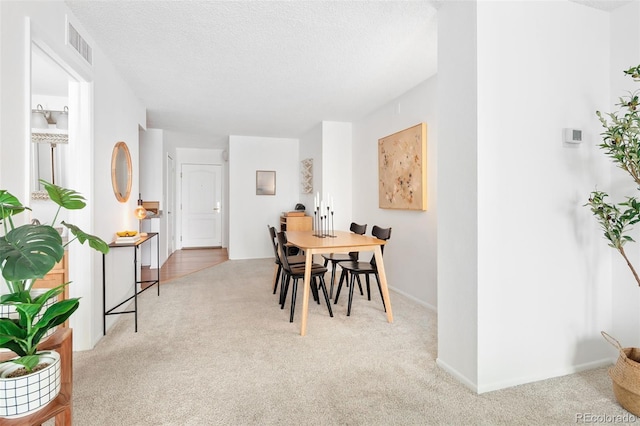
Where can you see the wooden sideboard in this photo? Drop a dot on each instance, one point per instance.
(296, 223)
(56, 277)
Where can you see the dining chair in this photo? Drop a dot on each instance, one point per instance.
(336, 258)
(293, 260)
(355, 269)
(296, 272)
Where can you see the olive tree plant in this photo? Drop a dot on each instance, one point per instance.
(621, 143)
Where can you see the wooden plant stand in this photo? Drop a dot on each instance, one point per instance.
(60, 407)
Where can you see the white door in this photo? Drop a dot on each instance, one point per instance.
(171, 191)
(201, 189)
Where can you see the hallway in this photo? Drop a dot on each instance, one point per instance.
(186, 261)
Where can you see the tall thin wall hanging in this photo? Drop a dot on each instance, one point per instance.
(402, 169)
(306, 170)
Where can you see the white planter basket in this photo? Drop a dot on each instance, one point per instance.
(20, 396)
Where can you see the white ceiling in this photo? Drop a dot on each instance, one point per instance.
(264, 68)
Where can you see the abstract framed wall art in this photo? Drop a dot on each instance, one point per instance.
(402, 169)
(306, 178)
(265, 182)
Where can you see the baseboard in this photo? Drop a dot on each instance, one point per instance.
(414, 299)
(461, 378)
(521, 380)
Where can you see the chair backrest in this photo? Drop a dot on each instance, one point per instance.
(282, 244)
(381, 234)
(272, 232)
(357, 229)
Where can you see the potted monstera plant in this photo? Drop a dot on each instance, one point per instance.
(621, 143)
(28, 252)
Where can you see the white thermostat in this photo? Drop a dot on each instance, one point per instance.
(573, 135)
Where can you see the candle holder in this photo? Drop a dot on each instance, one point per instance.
(321, 232)
(315, 224)
(333, 231)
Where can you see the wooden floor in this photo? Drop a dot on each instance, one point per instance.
(186, 261)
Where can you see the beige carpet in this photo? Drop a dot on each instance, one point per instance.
(215, 349)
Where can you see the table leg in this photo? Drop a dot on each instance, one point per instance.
(305, 292)
(383, 282)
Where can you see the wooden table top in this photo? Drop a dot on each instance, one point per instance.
(343, 239)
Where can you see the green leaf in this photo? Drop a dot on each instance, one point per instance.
(28, 362)
(67, 198)
(9, 205)
(95, 243)
(10, 336)
(57, 314)
(30, 251)
(20, 297)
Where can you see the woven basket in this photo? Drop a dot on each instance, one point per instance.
(625, 375)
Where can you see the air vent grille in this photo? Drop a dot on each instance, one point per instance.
(79, 44)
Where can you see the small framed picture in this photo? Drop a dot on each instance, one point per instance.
(265, 182)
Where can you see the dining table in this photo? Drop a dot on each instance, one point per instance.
(312, 243)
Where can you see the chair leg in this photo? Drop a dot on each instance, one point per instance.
(344, 277)
(380, 288)
(276, 277)
(368, 287)
(294, 291)
(359, 284)
(326, 296)
(284, 287)
(333, 277)
(353, 278)
(314, 289)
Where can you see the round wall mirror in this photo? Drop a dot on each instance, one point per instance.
(121, 171)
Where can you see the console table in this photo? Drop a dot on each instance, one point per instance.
(136, 245)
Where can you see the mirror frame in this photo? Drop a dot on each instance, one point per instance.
(121, 147)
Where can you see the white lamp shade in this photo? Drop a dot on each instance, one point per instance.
(62, 122)
(38, 120)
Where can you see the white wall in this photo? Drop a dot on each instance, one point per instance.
(151, 165)
(410, 254)
(337, 170)
(108, 112)
(152, 171)
(117, 116)
(543, 271)
(538, 246)
(249, 214)
(457, 227)
(311, 147)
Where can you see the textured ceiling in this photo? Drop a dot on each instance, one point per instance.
(265, 68)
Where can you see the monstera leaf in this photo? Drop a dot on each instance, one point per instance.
(30, 251)
(67, 198)
(9, 205)
(95, 243)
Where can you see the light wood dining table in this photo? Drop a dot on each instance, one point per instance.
(342, 242)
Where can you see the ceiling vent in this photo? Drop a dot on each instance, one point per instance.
(79, 44)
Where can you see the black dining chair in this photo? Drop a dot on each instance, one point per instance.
(293, 260)
(355, 269)
(296, 272)
(336, 258)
